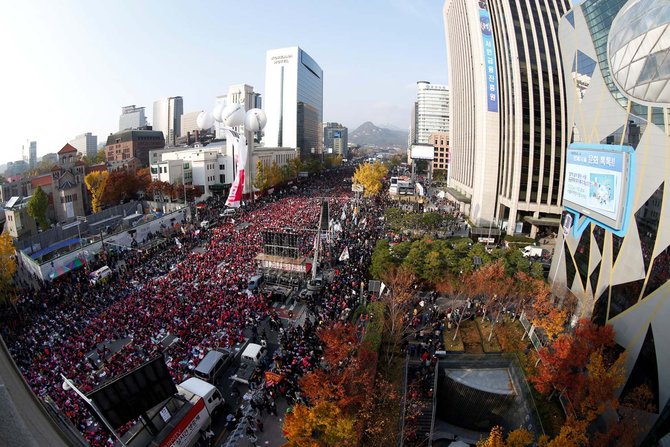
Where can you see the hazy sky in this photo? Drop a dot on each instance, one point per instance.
(69, 66)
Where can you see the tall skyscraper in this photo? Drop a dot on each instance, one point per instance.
(293, 101)
(474, 117)
(167, 117)
(132, 118)
(617, 94)
(508, 119)
(32, 154)
(432, 111)
(86, 144)
(335, 139)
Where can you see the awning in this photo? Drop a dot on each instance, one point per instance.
(54, 247)
(543, 221)
(459, 196)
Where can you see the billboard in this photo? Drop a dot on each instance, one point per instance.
(337, 134)
(598, 184)
(422, 152)
(490, 70)
(126, 397)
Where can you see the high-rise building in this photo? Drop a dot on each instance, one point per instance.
(508, 119)
(440, 143)
(132, 118)
(189, 122)
(167, 117)
(474, 118)
(617, 92)
(128, 144)
(238, 94)
(431, 111)
(336, 139)
(293, 101)
(86, 144)
(32, 157)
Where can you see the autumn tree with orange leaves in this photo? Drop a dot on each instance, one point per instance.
(348, 372)
(565, 359)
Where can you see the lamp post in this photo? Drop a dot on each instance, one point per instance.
(80, 219)
(68, 385)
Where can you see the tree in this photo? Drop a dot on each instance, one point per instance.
(397, 301)
(261, 179)
(37, 207)
(379, 414)
(96, 182)
(564, 360)
(121, 185)
(274, 175)
(370, 175)
(516, 438)
(347, 374)
(321, 426)
(381, 259)
(7, 267)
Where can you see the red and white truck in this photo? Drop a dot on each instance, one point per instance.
(179, 421)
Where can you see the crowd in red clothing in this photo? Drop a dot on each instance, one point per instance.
(199, 296)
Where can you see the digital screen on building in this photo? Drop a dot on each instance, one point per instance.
(597, 182)
(490, 73)
(422, 152)
(337, 134)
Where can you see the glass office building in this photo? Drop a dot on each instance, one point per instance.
(293, 101)
(617, 69)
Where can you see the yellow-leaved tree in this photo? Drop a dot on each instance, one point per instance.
(322, 425)
(96, 183)
(7, 267)
(370, 176)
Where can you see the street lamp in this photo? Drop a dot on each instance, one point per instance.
(80, 219)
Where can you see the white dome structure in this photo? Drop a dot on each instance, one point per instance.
(639, 51)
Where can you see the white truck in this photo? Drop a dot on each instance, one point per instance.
(532, 251)
(251, 359)
(181, 420)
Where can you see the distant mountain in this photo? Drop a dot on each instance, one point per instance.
(367, 134)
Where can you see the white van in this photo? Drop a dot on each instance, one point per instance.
(211, 365)
(99, 275)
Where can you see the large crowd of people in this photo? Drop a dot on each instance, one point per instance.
(199, 296)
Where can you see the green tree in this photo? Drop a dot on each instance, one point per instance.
(7, 268)
(37, 207)
(261, 179)
(381, 259)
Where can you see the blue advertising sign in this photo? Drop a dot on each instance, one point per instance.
(598, 185)
(337, 134)
(491, 72)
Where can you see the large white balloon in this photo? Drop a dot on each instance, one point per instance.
(255, 120)
(205, 120)
(233, 115)
(216, 113)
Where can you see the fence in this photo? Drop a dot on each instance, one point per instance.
(54, 267)
(64, 232)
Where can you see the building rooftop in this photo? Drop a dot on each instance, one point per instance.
(67, 149)
(132, 134)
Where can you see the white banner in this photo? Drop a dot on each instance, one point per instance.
(239, 142)
(345, 254)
